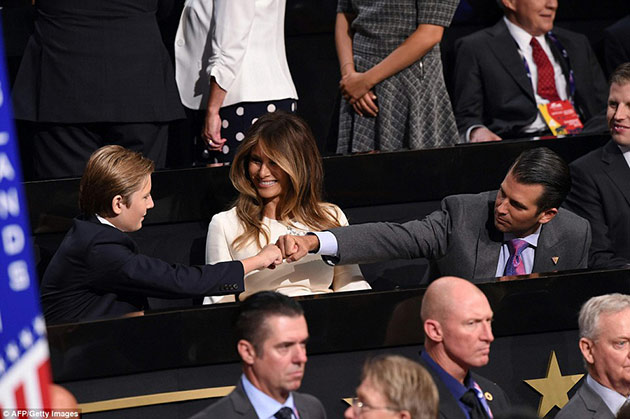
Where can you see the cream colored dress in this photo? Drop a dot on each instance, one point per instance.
(310, 275)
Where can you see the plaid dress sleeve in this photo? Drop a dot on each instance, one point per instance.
(435, 12)
(344, 6)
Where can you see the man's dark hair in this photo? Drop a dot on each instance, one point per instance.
(621, 75)
(256, 309)
(541, 166)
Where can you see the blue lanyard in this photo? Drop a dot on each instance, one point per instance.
(565, 56)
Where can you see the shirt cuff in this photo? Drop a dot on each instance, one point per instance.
(327, 243)
(470, 129)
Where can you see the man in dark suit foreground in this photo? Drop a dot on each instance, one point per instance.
(605, 345)
(457, 324)
(517, 230)
(601, 182)
(97, 271)
(271, 335)
(504, 72)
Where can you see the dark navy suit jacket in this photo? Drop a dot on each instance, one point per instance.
(97, 272)
(601, 194)
(492, 87)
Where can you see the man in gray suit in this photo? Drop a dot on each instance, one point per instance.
(605, 344)
(517, 230)
(271, 340)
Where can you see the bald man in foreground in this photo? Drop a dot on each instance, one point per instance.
(456, 319)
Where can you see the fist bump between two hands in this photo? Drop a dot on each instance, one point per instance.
(289, 248)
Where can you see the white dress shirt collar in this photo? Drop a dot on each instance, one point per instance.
(613, 400)
(265, 406)
(523, 38)
(625, 150)
(104, 221)
(532, 239)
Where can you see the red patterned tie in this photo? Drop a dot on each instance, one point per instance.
(546, 79)
(515, 265)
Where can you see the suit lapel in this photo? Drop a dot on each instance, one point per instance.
(546, 251)
(488, 246)
(561, 60)
(594, 403)
(504, 47)
(300, 406)
(617, 168)
(241, 403)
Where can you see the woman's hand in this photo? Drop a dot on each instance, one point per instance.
(366, 105)
(354, 86)
(211, 131)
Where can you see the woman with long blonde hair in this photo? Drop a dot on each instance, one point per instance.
(278, 174)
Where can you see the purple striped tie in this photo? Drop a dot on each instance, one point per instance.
(515, 265)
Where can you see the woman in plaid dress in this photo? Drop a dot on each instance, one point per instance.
(394, 96)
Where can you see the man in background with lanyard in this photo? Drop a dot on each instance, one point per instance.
(457, 325)
(521, 79)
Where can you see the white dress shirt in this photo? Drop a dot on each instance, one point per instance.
(104, 221)
(264, 405)
(625, 150)
(245, 52)
(523, 39)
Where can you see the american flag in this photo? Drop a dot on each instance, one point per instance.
(24, 357)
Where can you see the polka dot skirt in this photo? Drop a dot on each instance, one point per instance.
(237, 118)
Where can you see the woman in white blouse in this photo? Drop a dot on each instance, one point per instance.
(278, 174)
(231, 65)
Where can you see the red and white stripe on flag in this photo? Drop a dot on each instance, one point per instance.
(25, 385)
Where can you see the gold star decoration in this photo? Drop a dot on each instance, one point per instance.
(554, 387)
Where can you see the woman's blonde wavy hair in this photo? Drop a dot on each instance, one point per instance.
(287, 140)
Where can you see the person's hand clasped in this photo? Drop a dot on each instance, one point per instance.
(354, 86)
(366, 105)
(212, 131)
(294, 248)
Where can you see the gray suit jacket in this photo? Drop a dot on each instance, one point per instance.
(585, 404)
(461, 240)
(237, 405)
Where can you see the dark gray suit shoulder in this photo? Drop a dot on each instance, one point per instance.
(570, 219)
(479, 200)
(587, 160)
(237, 405)
(478, 37)
(309, 406)
(585, 404)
